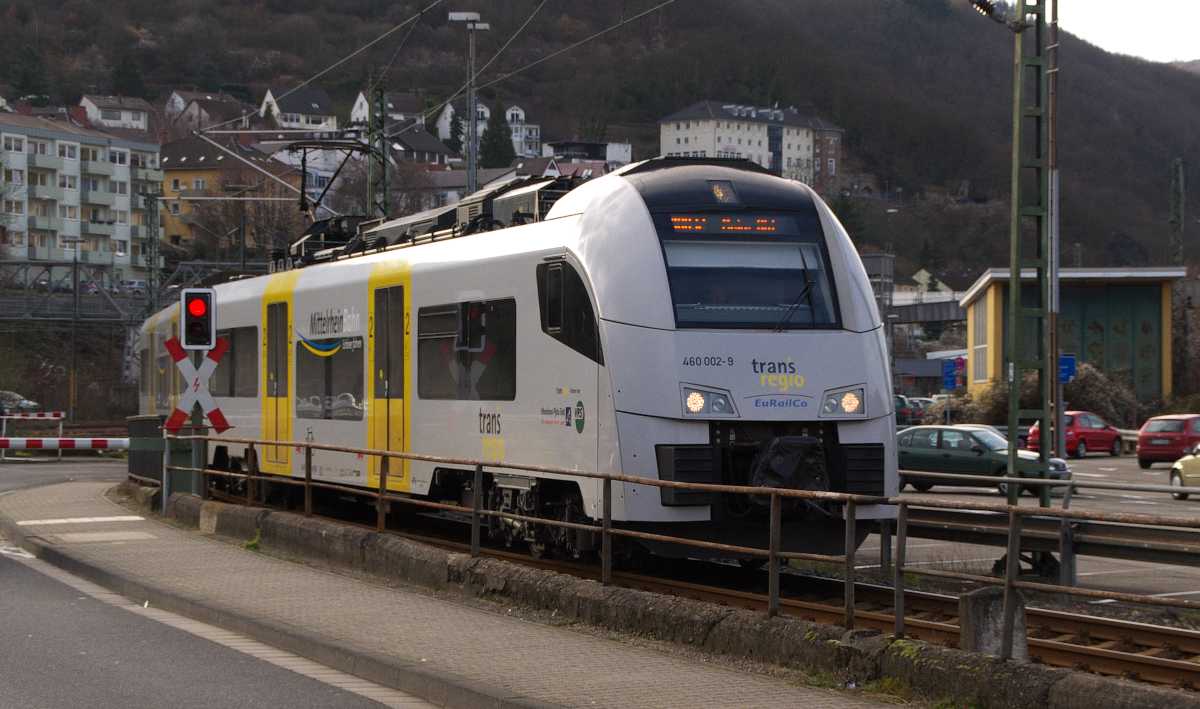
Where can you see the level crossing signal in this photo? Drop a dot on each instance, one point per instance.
(198, 326)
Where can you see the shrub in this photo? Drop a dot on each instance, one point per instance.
(1091, 390)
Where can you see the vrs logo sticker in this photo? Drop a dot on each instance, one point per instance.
(579, 416)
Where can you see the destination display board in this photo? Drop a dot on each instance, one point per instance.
(732, 224)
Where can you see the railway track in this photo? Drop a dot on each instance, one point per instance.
(1139, 651)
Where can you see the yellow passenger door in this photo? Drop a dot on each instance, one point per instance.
(386, 406)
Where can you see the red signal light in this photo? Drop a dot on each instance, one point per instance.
(197, 307)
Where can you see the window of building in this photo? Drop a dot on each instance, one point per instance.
(68, 151)
(199, 184)
(90, 154)
(566, 309)
(238, 373)
(118, 157)
(175, 207)
(13, 206)
(14, 143)
(122, 216)
(38, 147)
(677, 141)
(979, 363)
(468, 351)
(832, 167)
(109, 114)
(122, 247)
(175, 184)
(14, 177)
(118, 187)
(68, 182)
(66, 211)
(329, 379)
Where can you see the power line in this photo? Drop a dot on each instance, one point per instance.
(399, 47)
(436, 109)
(341, 61)
(581, 42)
(510, 39)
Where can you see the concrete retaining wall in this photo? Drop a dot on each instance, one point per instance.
(860, 656)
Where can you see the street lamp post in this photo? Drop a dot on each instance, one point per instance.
(473, 25)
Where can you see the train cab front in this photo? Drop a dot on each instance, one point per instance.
(756, 358)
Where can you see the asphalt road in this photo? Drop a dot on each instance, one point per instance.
(63, 647)
(18, 475)
(1114, 574)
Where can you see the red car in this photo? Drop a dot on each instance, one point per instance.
(1167, 438)
(1085, 432)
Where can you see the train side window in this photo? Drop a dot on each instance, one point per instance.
(221, 383)
(329, 379)
(243, 360)
(144, 368)
(468, 351)
(567, 313)
(437, 362)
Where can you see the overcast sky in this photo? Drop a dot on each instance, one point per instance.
(1158, 30)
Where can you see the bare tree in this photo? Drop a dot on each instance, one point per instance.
(269, 224)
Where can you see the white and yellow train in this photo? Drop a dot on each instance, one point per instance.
(694, 320)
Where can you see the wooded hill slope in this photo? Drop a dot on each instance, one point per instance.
(922, 88)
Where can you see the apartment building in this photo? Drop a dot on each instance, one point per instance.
(526, 136)
(787, 141)
(401, 107)
(308, 108)
(117, 112)
(194, 168)
(65, 187)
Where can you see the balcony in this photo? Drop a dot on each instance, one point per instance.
(104, 258)
(10, 252)
(98, 228)
(44, 223)
(46, 192)
(146, 174)
(97, 167)
(101, 197)
(143, 261)
(47, 162)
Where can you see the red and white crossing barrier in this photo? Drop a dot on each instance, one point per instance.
(37, 415)
(50, 444)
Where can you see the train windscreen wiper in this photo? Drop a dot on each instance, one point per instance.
(804, 294)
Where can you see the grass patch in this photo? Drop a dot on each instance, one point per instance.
(252, 544)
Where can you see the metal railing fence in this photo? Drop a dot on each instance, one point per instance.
(773, 553)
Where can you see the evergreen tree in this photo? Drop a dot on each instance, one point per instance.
(456, 133)
(31, 74)
(127, 77)
(495, 147)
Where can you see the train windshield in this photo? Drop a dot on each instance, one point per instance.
(738, 271)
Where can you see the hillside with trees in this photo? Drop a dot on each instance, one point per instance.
(922, 88)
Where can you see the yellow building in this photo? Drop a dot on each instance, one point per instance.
(1117, 319)
(196, 168)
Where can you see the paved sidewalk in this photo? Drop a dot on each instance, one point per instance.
(462, 644)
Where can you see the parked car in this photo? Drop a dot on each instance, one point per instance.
(1085, 432)
(12, 402)
(1186, 472)
(133, 287)
(968, 450)
(923, 404)
(904, 410)
(1167, 438)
